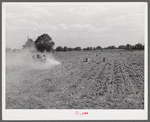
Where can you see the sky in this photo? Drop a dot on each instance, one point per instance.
(75, 24)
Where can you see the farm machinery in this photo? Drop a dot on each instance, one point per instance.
(39, 57)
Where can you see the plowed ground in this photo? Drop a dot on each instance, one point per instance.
(117, 83)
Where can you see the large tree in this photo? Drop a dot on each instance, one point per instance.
(98, 48)
(65, 49)
(138, 46)
(44, 43)
(111, 47)
(59, 48)
(78, 48)
(129, 47)
(121, 47)
(29, 44)
(69, 49)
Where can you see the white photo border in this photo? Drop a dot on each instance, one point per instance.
(64, 114)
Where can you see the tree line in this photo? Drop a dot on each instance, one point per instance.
(45, 43)
(124, 47)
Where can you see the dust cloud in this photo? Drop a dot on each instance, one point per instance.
(24, 60)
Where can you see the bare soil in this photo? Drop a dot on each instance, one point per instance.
(67, 81)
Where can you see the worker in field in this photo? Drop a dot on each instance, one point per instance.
(103, 59)
(87, 58)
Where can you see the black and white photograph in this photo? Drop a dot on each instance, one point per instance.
(74, 60)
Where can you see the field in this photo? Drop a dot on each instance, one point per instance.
(72, 83)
